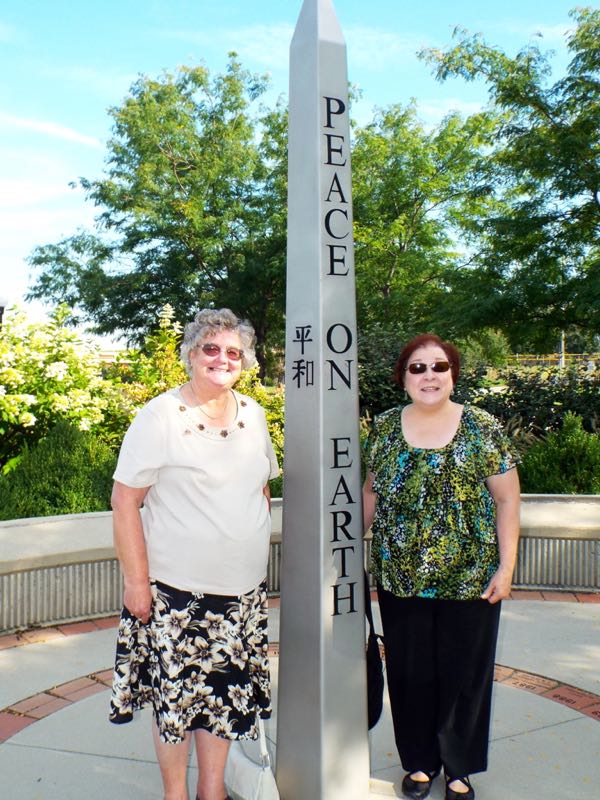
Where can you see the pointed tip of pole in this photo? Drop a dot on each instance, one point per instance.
(318, 21)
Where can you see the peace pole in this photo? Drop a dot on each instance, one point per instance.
(322, 742)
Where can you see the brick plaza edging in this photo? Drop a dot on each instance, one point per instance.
(20, 715)
(25, 712)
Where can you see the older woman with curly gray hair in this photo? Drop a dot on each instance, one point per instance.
(192, 526)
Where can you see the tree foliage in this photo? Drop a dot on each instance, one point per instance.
(479, 224)
(414, 189)
(537, 265)
(186, 206)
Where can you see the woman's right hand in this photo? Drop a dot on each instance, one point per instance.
(130, 546)
(137, 599)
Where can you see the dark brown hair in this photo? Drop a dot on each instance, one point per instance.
(422, 340)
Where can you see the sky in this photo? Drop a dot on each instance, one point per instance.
(64, 63)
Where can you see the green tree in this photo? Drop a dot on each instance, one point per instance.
(414, 189)
(536, 266)
(484, 348)
(186, 210)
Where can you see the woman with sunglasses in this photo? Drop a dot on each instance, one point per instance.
(192, 528)
(442, 499)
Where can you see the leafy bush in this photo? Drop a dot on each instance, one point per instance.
(273, 402)
(139, 375)
(47, 373)
(563, 462)
(67, 472)
(538, 398)
(276, 486)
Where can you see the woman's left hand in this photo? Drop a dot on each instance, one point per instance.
(505, 490)
(499, 586)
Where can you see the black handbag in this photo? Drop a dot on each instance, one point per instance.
(375, 680)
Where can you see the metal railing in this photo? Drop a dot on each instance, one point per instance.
(590, 360)
(549, 558)
(54, 595)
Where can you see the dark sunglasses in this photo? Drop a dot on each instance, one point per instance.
(418, 367)
(212, 350)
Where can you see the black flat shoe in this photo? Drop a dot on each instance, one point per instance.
(451, 794)
(417, 790)
(227, 798)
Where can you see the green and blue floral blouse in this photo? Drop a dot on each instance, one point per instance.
(434, 529)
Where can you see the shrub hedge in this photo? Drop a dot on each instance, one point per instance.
(566, 461)
(539, 398)
(67, 472)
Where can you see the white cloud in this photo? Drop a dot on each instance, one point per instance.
(432, 112)
(552, 33)
(376, 49)
(21, 232)
(370, 48)
(267, 45)
(24, 229)
(107, 83)
(51, 129)
(17, 193)
(37, 206)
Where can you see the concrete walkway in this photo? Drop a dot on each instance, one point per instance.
(56, 742)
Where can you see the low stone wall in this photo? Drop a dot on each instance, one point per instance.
(63, 569)
(560, 543)
(60, 569)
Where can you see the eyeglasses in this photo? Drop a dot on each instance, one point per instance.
(212, 350)
(418, 367)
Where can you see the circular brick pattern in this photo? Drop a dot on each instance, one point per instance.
(25, 712)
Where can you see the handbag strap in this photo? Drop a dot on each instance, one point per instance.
(368, 609)
(265, 759)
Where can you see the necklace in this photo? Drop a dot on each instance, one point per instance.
(210, 430)
(199, 406)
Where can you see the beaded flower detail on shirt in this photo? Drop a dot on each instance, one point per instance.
(207, 430)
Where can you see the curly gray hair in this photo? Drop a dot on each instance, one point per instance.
(209, 321)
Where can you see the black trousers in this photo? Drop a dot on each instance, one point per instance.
(440, 671)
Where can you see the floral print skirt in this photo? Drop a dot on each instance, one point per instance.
(201, 661)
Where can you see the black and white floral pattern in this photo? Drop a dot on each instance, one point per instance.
(201, 662)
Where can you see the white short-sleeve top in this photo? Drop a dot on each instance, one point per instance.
(206, 520)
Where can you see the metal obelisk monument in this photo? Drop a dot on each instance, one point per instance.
(322, 741)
